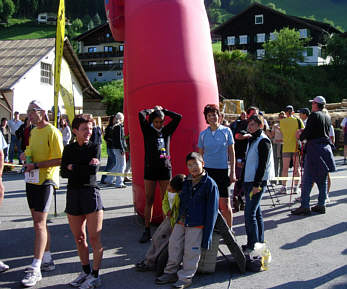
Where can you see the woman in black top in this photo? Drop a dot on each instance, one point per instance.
(80, 163)
(157, 156)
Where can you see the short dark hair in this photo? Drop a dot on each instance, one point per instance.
(79, 119)
(194, 156)
(211, 108)
(4, 118)
(250, 109)
(258, 119)
(177, 182)
(156, 113)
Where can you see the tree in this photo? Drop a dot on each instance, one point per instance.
(97, 19)
(113, 95)
(273, 6)
(86, 19)
(337, 49)
(286, 49)
(7, 10)
(90, 24)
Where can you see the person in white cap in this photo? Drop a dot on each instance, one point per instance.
(3, 145)
(43, 157)
(319, 159)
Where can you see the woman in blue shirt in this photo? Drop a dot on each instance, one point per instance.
(216, 144)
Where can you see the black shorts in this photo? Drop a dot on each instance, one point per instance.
(345, 139)
(39, 197)
(221, 177)
(83, 201)
(157, 174)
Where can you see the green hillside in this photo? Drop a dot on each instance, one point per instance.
(18, 29)
(333, 10)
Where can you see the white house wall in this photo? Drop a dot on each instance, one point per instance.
(29, 87)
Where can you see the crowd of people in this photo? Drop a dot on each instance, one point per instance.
(249, 152)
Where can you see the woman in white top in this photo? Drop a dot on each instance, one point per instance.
(65, 131)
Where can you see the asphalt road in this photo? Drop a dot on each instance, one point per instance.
(307, 252)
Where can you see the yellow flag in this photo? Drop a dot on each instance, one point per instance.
(66, 90)
(59, 48)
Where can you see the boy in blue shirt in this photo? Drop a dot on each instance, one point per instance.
(193, 230)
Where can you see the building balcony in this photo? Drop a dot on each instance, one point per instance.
(102, 55)
(103, 67)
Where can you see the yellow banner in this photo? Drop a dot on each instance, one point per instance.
(59, 48)
(66, 90)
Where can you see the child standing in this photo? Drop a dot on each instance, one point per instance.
(193, 230)
(160, 239)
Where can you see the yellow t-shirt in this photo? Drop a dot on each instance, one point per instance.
(46, 144)
(288, 127)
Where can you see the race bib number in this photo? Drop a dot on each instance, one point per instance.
(32, 177)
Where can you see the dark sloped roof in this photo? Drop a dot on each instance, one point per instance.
(17, 57)
(312, 24)
(91, 32)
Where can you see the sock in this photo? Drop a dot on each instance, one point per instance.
(47, 257)
(86, 268)
(95, 273)
(36, 264)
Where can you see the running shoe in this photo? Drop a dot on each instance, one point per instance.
(31, 277)
(79, 280)
(48, 266)
(91, 282)
(166, 278)
(283, 191)
(181, 284)
(3, 267)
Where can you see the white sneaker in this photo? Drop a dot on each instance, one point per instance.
(3, 267)
(297, 190)
(327, 201)
(31, 277)
(91, 282)
(79, 280)
(283, 191)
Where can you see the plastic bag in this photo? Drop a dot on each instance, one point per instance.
(263, 250)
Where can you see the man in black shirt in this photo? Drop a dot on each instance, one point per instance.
(319, 159)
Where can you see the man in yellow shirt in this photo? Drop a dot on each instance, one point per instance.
(290, 150)
(43, 157)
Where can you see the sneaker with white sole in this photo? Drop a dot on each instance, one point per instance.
(297, 190)
(283, 191)
(31, 277)
(91, 282)
(79, 280)
(3, 267)
(48, 266)
(181, 284)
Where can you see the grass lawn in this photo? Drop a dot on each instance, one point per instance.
(217, 46)
(18, 29)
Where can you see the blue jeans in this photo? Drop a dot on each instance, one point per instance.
(253, 217)
(111, 162)
(120, 167)
(14, 142)
(307, 184)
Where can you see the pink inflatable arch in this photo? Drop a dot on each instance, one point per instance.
(169, 62)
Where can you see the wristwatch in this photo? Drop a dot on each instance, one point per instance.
(36, 166)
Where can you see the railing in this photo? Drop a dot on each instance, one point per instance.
(96, 55)
(103, 67)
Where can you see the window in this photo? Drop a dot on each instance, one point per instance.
(91, 63)
(231, 40)
(108, 35)
(118, 73)
(260, 37)
(273, 36)
(303, 33)
(99, 74)
(107, 62)
(309, 51)
(260, 53)
(91, 49)
(259, 19)
(108, 48)
(121, 48)
(244, 51)
(243, 39)
(46, 73)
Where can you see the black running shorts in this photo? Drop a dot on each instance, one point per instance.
(157, 174)
(83, 201)
(39, 197)
(221, 177)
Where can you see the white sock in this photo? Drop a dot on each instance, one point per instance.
(47, 257)
(36, 264)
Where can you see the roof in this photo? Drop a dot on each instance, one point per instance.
(90, 32)
(17, 57)
(312, 24)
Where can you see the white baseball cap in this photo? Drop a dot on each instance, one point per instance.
(319, 99)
